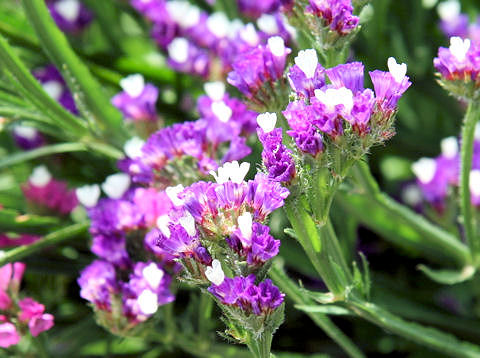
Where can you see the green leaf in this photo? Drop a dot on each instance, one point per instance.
(12, 220)
(448, 277)
(325, 309)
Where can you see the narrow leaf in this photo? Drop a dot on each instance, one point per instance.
(325, 309)
(12, 220)
(448, 277)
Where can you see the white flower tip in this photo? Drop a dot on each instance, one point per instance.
(276, 46)
(68, 9)
(40, 176)
(178, 50)
(267, 121)
(172, 193)
(398, 71)
(218, 24)
(231, 171)
(188, 223)
(133, 85)
(459, 47)
(249, 35)
(424, 169)
(474, 183)
(215, 273)
(88, 195)
(449, 147)
(335, 96)
(53, 88)
(26, 132)
(148, 302)
(448, 10)
(133, 147)
(221, 111)
(183, 13)
(268, 24)
(215, 90)
(153, 274)
(307, 61)
(245, 222)
(162, 224)
(116, 185)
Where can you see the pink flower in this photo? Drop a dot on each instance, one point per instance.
(8, 335)
(10, 276)
(41, 323)
(29, 309)
(5, 301)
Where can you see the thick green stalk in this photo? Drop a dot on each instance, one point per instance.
(295, 293)
(260, 346)
(430, 235)
(425, 336)
(53, 238)
(468, 137)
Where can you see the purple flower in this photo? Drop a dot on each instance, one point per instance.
(254, 8)
(97, 283)
(186, 57)
(151, 204)
(388, 90)
(307, 74)
(349, 75)
(69, 15)
(178, 242)
(337, 14)
(264, 196)
(112, 248)
(455, 26)
(137, 101)
(111, 216)
(27, 137)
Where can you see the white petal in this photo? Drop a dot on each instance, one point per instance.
(268, 24)
(215, 90)
(307, 61)
(26, 132)
(188, 223)
(172, 193)
(412, 195)
(133, 85)
(183, 13)
(53, 88)
(249, 35)
(245, 222)
(218, 24)
(153, 274)
(424, 169)
(221, 111)
(449, 147)
(335, 96)
(448, 10)
(163, 223)
(68, 9)
(459, 47)
(398, 71)
(215, 273)
(116, 185)
(178, 50)
(276, 46)
(267, 121)
(133, 147)
(40, 176)
(88, 195)
(148, 302)
(475, 182)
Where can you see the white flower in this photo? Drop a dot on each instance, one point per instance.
(307, 61)
(459, 47)
(153, 274)
(148, 302)
(172, 193)
(88, 195)
(116, 185)
(162, 224)
(178, 50)
(133, 85)
(40, 176)
(268, 24)
(398, 71)
(231, 171)
(267, 121)
(215, 90)
(276, 46)
(335, 96)
(183, 13)
(245, 225)
(424, 169)
(474, 183)
(215, 273)
(249, 35)
(133, 147)
(449, 147)
(53, 88)
(221, 111)
(68, 9)
(448, 10)
(188, 223)
(26, 132)
(218, 24)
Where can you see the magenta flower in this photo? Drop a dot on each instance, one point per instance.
(8, 335)
(337, 14)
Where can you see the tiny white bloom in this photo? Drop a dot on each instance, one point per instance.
(183, 13)
(133, 147)
(218, 24)
(162, 224)
(188, 223)
(133, 85)
(178, 50)
(398, 71)
(68, 9)
(88, 195)
(448, 10)
(449, 147)
(221, 111)
(459, 47)
(148, 302)
(268, 24)
(474, 183)
(116, 185)
(215, 90)
(53, 88)
(172, 193)
(249, 35)
(234, 29)
(424, 169)
(26, 132)
(276, 46)
(307, 61)
(231, 171)
(267, 121)
(245, 222)
(335, 96)
(40, 176)
(412, 195)
(215, 273)
(153, 274)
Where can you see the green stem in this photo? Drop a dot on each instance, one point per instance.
(430, 235)
(468, 136)
(425, 336)
(260, 346)
(293, 292)
(54, 238)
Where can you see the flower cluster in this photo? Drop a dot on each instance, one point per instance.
(49, 194)
(256, 9)
(438, 177)
(19, 314)
(70, 15)
(206, 44)
(337, 15)
(455, 24)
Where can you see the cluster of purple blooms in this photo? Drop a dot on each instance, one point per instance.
(438, 177)
(70, 15)
(335, 14)
(453, 23)
(331, 113)
(206, 44)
